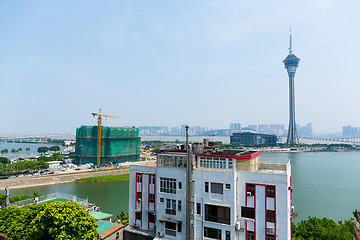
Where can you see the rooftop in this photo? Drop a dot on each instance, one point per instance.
(100, 215)
(230, 153)
(104, 225)
(106, 228)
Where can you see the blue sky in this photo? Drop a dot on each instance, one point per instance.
(204, 63)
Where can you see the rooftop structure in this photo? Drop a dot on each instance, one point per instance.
(252, 138)
(233, 195)
(118, 144)
(291, 62)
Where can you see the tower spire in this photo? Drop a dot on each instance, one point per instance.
(290, 47)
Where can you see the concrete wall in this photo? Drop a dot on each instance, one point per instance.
(55, 179)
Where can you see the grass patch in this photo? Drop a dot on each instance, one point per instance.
(104, 178)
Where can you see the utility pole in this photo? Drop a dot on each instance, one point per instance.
(188, 187)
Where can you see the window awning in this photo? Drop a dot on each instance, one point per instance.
(169, 220)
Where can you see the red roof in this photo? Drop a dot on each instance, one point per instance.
(245, 156)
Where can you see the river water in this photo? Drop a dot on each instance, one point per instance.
(324, 185)
(32, 152)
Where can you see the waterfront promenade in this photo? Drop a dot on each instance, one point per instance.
(56, 179)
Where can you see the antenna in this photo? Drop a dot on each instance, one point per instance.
(290, 47)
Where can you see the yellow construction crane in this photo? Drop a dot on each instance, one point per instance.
(99, 115)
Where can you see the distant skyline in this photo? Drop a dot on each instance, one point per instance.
(205, 63)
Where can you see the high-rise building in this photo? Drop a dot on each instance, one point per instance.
(235, 126)
(118, 144)
(306, 131)
(291, 62)
(349, 131)
(232, 195)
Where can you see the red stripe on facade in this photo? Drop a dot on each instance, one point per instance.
(142, 196)
(246, 230)
(275, 225)
(249, 156)
(265, 211)
(255, 211)
(265, 185)
(149, 199)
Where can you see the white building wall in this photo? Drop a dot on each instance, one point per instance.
(180, 175)
(282, 204)
(143, 187)
(227, 199)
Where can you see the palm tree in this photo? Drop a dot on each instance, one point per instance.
(19, 150)
(13, 151)
(4, 151)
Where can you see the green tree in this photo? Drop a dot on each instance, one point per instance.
(4, 160)
(315, 228)
(55, 148)
(51, 220)
(43, 150)
(4, 151)
(123, 217)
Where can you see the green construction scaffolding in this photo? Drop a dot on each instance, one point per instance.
(118, 144)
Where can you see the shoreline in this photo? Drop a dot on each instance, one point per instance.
(56, 179)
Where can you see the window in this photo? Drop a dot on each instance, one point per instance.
(217, 188)
(227, 235)
(250, 235)
(180, 185)
(152, 198)
(230, 161)
(219, 163)
(270, 237)
(168, 185)
(170, 228)
(217, 214)
(138, 215)
(206, 187)
(270, 191)
(139, 178)
(151, 218)
(179, 226)
(212, 233)
(250, 188)
(179, 205)
(248, 212)
(152, 179)
(270, 216)
(198, 208)
(161, 199)
(139, 196)
(170, 206)
(227, 186)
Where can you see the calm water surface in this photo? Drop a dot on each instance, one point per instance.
(324, 185)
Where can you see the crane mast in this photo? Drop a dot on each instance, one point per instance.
(99, 115)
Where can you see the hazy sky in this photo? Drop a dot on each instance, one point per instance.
(204, 63)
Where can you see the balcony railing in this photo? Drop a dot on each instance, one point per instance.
(47, 197)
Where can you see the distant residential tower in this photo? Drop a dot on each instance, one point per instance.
(291, 63)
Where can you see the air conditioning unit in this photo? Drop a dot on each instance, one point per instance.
(270, 230)
(248, 194)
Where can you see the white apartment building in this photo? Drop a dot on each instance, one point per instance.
(233, 195)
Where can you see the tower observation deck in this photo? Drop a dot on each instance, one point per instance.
(291, 62)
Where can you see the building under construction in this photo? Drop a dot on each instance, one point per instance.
(118, 144)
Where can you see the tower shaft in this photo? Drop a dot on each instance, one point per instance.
(291, 62)
(293, 136)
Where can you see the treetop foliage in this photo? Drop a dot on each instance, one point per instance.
(315, 228)
(51, 220)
